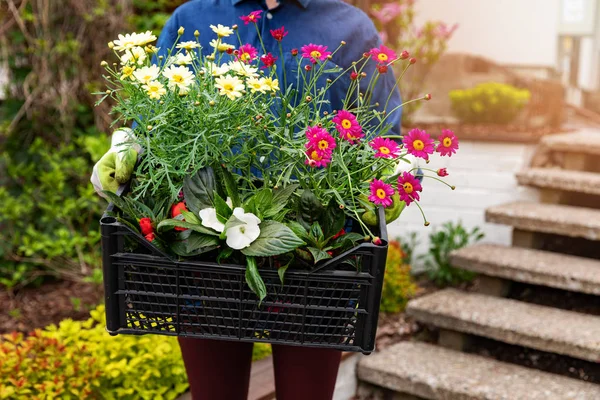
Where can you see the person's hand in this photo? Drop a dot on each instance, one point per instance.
(116, 166)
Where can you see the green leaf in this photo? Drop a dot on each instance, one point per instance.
(317, 233)
(171, 223)
(310, 209)
(191, 217)
(230, 187)
(282, 270)
(333, 219)
(280, 199)
(223, 210)
(347, 241)
(318, 254)
(224, 254)
(275, 238)
(190, 243)
(254, 280)
(199, 190)
(298, 229)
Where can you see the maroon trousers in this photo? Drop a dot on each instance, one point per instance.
(220, 370)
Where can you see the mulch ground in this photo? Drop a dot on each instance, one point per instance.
(33, 308)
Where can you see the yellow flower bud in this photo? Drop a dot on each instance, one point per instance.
(104, 64)
(234, 27)
(196, 33)
(180, 31)
(149, 127)
(111, 45)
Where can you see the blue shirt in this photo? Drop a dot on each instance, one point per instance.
(325, 22)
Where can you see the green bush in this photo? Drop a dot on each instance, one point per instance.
(491, 102)
(398, 285)
(80, 360)
(452, 236)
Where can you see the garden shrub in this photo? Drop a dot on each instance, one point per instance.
(495, 103)
(398, 285)
(452, 236)
(80, 360)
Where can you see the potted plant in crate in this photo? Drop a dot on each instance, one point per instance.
(253, 213)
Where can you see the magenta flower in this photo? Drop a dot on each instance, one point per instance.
(279, 33)
(348, 127)
(419, 143)
(381, 193)
(382, 54)
(322, 142)
(247, 53)
(384, 148)
(315, 52)
(313, 131)
(388, 12)
(252, 17)
(448, 143)
(442, 172)
(315, 159)
(268, 60)
(409, 188)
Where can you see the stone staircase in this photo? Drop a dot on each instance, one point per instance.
(450, 370)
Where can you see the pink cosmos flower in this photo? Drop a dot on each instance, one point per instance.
(268, 60)
(448, 143)
(247, 53)
(279, 33)
(315, 159)
(418, 143)
(409, 188)
(322, 142)
(252, 17)
(388, 12)
(384, 148)
(315, 52)
(381, 193)
(382, 54)
(347, 125)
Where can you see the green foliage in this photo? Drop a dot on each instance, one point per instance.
(80, 360)
(152, 15)
(45, 212)
(452, 236)
(491, 102)
(398, 285)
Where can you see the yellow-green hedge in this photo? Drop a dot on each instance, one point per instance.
(490, 102)
(80, 360)
(398, 285)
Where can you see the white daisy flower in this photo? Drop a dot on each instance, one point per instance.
(146, 74)
(222, 31)
(230, 86)
(179, 76)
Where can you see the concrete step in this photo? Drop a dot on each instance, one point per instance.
(432, 372)
(584, 142)
(531, 266)
(548, 218)
(510, 321)
(561, 180)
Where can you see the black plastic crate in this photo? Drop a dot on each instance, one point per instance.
(333, 305)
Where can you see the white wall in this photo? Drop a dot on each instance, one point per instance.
(507, 31)
(484, 175)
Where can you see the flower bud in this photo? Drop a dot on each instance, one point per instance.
(294, 52)
(404, 55)
(211, 103)
(288, 115)
(149, 127)
(234, 27)
(354, 75)
(413, 60)
(442, 172)
(377, 241)
(180, 31)
(343, 42)
(108, 92)
(104, 64)
(307, 67)
(196, 33)
(111, 45)
(382, 69)
(308, 99)
(312, 163)
(342, 206)
(197, 103)
(428, 96)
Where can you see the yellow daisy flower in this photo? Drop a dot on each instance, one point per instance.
(230, 86)
(127, 72)
(222, 31)
(256, 85)
(131, 40)
(271, 84)
(180, 77)
(155, 89)
(146, 74)
(220, 45)
(189, 45)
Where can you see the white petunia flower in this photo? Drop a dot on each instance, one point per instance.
(146, 74)
(241, 236)
(210, 220)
